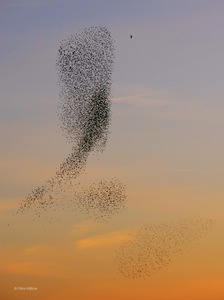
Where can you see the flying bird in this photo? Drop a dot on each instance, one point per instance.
(131, 36)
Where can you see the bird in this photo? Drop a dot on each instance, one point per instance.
(131, 36)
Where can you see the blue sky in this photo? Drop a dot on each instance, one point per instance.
(167, 84)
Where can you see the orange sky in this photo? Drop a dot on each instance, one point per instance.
(77, 259)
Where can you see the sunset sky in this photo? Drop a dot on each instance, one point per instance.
(166, 144)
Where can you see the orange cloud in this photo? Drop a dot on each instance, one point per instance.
(84, 227)
(30, 268)
(102, 240)
(38, 250)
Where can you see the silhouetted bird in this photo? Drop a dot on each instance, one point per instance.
(131, 36)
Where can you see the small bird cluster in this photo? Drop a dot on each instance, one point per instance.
(101, 200)
(40, 199)
(152, 247)
(84, 64)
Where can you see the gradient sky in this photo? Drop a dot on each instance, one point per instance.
(166, 145)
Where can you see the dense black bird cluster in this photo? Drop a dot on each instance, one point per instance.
(85, 65)
(101, 200)
(152, 247)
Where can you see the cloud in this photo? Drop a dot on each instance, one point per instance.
(38, 250)
(84, 227)
(30, 268)
(35, 260)
(102, 240)
(169, 105)
(144, 97)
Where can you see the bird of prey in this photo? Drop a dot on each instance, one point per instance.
(131, 36)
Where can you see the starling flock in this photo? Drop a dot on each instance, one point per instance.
(84, 65)
(101, 200)
(153, 247)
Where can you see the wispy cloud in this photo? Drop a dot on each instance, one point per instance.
(84, 227)
(169, 105)
(38, 250)
(143, 96)
(102, 240)
(35, 260)
(30, 268)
